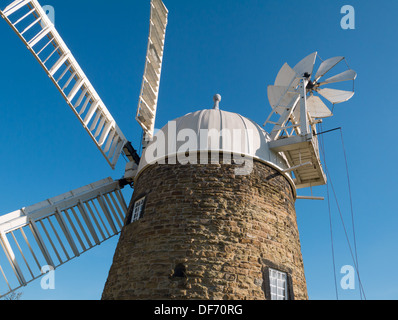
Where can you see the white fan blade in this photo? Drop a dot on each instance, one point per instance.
(279, 96)
(57, 230)
(306, 65)
(336, 96)
(326, 66)
(285, 76)
(29, 21)
(317, 108)
(275, 93)
(344, 76)
(147, 105)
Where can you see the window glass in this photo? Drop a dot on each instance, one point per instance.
(278, 285)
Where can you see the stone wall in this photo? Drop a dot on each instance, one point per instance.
(207, 234)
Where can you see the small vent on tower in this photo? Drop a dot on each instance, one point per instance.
(180, 271)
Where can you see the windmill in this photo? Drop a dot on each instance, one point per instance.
(57, 230)
(61, 228)
(207, 223)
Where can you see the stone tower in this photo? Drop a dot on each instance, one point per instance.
(212, 217)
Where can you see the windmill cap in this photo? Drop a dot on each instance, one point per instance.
(211, 130)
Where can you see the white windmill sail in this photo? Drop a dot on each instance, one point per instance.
(286, 77)
(34, 28)
(306, 66)
(57, 230)
(317, 109)
(326, 66)
(344, 76)
(147, 105)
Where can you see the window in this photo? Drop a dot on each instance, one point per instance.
(277, 281)
(138, 209)
(278, 285)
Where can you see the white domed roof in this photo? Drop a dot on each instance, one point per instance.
(211, 130)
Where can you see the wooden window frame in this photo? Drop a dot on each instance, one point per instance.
(266, 280)
(133, 217)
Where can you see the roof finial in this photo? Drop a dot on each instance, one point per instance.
(217, 99)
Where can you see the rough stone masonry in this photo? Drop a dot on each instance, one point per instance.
(208, 234)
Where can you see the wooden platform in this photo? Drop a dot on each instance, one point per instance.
(302, 153)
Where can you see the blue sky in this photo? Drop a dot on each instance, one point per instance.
(234, 48)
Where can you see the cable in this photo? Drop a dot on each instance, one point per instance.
(355, 259)
(331, 238)
(345, 229)
(351, 205)
(330, 219)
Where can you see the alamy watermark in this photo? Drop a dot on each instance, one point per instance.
(205, 146)
(50, 12)
(347, 282)
(348, 20)
(48, 280)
